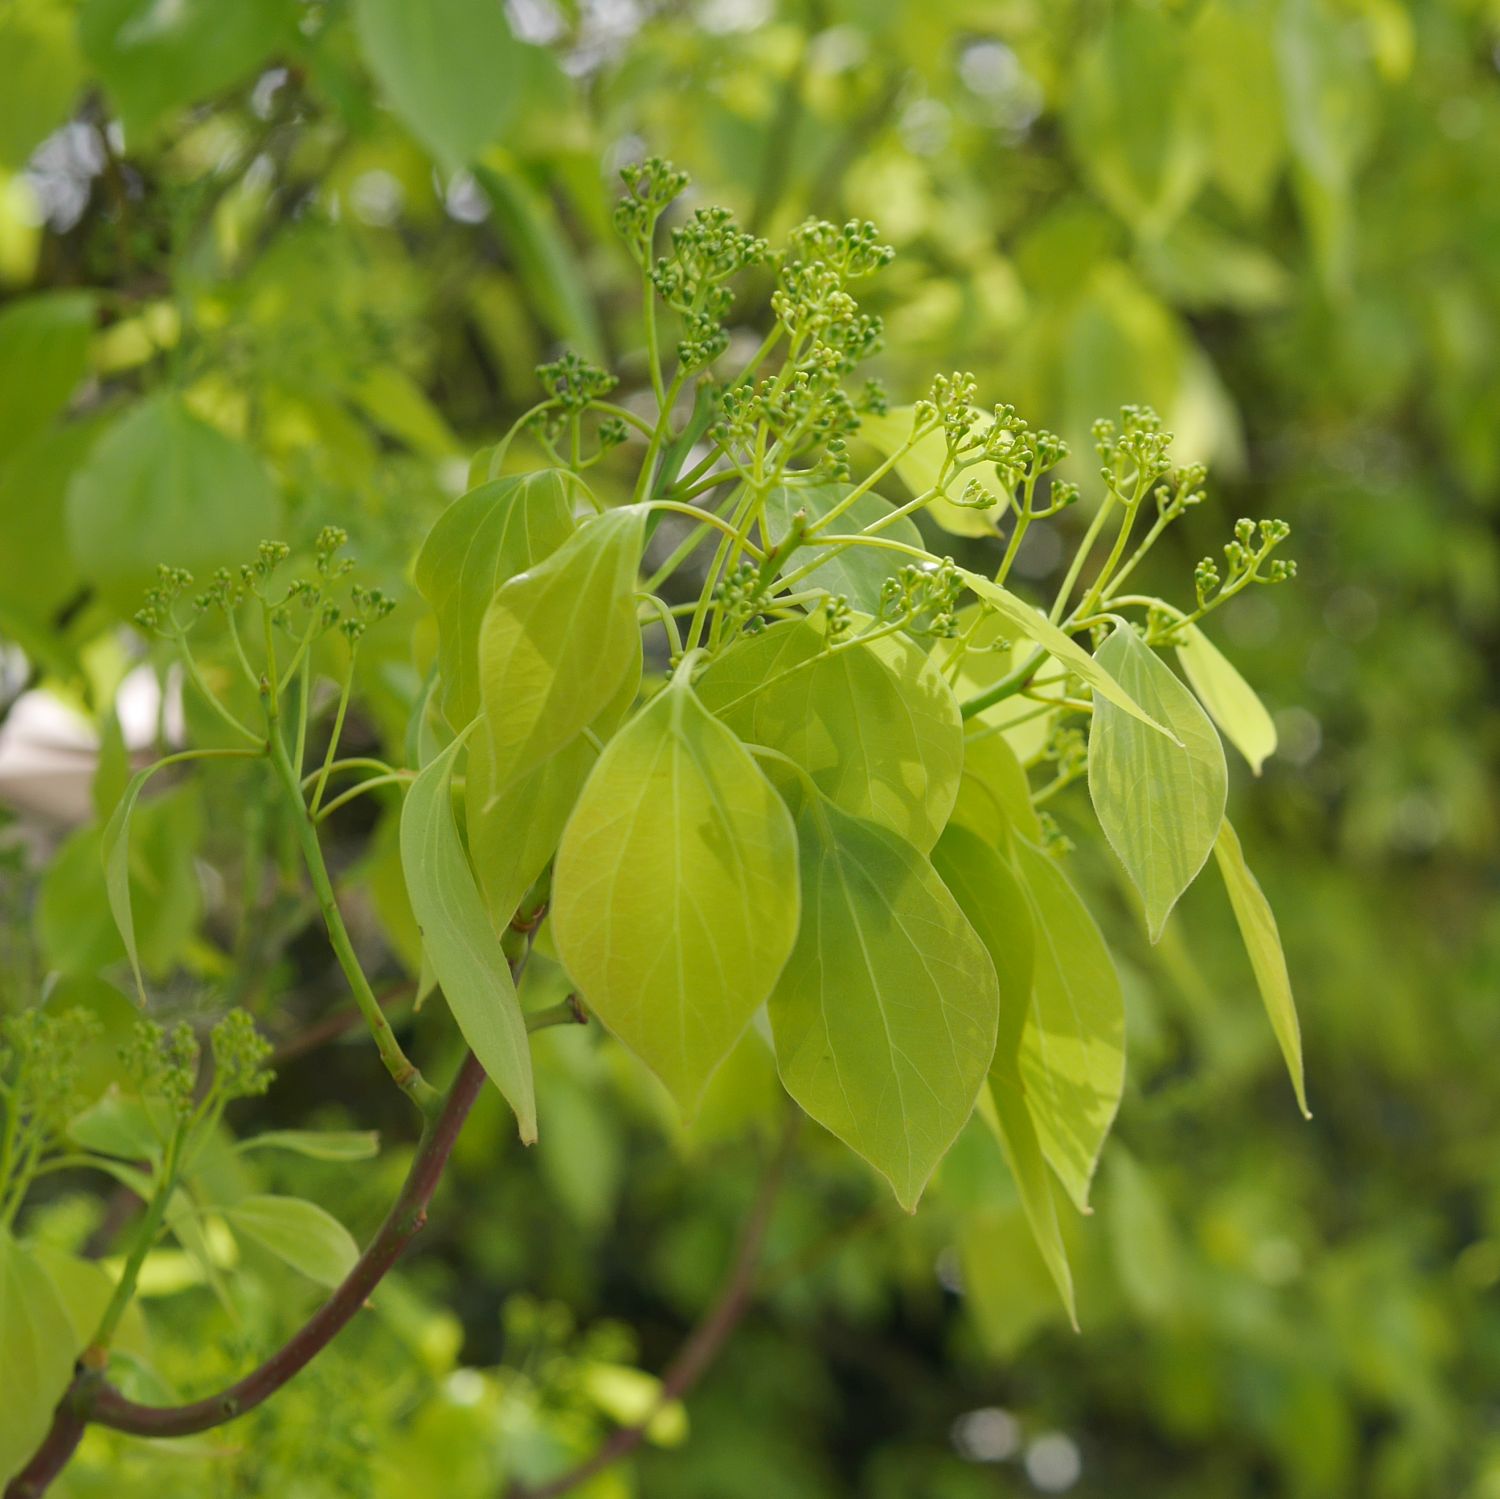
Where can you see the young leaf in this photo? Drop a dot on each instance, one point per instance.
(886, 1013)
(557, 642)
(1003, 1107)
(459, 941)
(318, 1144)
(483, 538)
(114, 847)
(37, 1350)
(1160, 804)
(874, 725)
(1072, 1055)
(1034, 625)
(675, 891)
(857, 572)
(299, 1233)
(514, 830)
(1257, 925)
(449, 68)
(1231, 701)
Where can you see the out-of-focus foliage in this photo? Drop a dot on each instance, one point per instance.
(335, 239)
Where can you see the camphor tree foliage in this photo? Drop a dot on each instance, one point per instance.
(817, 822)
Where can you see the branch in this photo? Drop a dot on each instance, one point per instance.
(91, 1399)
(703, 1344)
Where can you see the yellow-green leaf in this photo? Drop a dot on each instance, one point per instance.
(1072, 1054)
(874, 724)
(1160, 804)
(37, 1349)
(1231, 701)
(299, 1233)
(459, 942)
(1257, 923)
(675, 890)
(558, 640)
(886, 1014)
(922, 467)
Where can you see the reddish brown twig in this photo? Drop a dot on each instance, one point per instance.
(703, 1344)
(91, 1399)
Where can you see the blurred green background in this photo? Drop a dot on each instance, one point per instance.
(339, 237)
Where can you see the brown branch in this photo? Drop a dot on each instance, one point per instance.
(91, 1399)
(703, 1344)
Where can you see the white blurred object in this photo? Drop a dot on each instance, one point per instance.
(49, 751)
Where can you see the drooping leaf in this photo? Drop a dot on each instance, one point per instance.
(1003, 1108)
(857, 572)
(991, 897)
(459, 941)
(1231, 701)
(885, 1016)
(156, 58)
(1034, 625)
(44, 344)
(36, 1351)
(874, 724)
(515, 829)
(162, 486)
(299, 1233)
(1072, 1054)
(675, 892)
(448, 67)
(1257, 923)
(114, 846)
(922, 467)
(318, 1144)
(558, 640)
(1160, 804)
(482, 539)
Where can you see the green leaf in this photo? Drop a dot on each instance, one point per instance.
(995, 794)
(122, 1126)
(318, 1144)
(922, 467)
(114, 847)
(1257, 923)
(38, 575)
(1072, 1055)
(990, 896)
(1160, 804)
(299, 1233)
(1034, 625)
(162, 486)
(856, 572)
(557, 642)
(886, 1013)
(675, 892)
(514, 830)
(459, 941)
(1231, 701)
(482, 539)
(44, 346)
(1003, 1107)
(37, 1349)
(1143, 1243)
(448, 67)
(874, 724)
(156, 58)
(43, 76)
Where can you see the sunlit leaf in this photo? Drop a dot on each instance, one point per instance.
(1072, 1055)
(1257, 923)
(675, 891)
(874, 724)
(1160, 804)
(482, 539)
(37, 1349)
(1231, 701)
(886, 1014)
(459, 941)
(558, 641)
